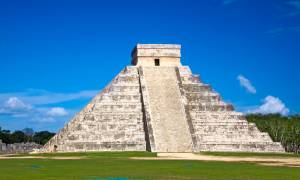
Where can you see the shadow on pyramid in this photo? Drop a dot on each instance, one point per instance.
(158, 105)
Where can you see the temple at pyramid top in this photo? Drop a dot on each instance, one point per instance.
(156, 55)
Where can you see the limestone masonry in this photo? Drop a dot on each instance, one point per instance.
(158, 105)
(18, 147)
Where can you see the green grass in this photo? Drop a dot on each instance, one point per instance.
(250, 154)
(93, 154)
(104, 165)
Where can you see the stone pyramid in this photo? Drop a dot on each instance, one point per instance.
(158, 105)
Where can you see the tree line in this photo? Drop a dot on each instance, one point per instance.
(284, 129)
(25, 135)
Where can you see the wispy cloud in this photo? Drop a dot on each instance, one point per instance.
(271, 105)
(291, 7)
(57, 111)
(37, 105)
(43, 97)
(244, 82)
(226, 2)
(279, 30)
(295, 4)
(16, 108)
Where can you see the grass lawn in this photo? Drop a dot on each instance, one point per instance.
(100, 166)
(94, 154)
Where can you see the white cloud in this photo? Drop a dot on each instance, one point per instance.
(57, 111)
(15, 107)
(40, 108)
(43, 119)
(244, 82)
(16, 103)
(271, 105)
(43, 97)
(19, 109)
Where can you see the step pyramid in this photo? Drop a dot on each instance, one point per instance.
(158, 105)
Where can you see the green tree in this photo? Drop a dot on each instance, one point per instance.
(5, 136)
(42, 137)
(19, 137)
(284, 129)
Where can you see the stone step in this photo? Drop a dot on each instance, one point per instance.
(226, 129)
(113, 114)
(235, 140)
(130, 70)
(198, 98)
(245, 147)
(111, 146)
(124, 73)
(217, 118)
(124, 88)
(230, 139)
(222, 123)
(217, 114)
(127, 79)
(192, 79)
(117, 108)
(121, 98)
(241, 124)
(199, 108)
(216, 103)
(119, 117)
(113, 103)
(197, 87)
(118, 93)
(231, 135)
(107, 130)
(170, 128)
(205, 93)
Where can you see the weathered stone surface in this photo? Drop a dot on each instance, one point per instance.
(216, 126)
(168, 121)
(167, 54)
(159, 105)
(112, 121)
(18, 147)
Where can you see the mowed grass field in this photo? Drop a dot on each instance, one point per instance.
(119, 166)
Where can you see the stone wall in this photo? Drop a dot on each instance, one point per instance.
(112, 121)
(215, 125)
(145, 54)
(18, 147)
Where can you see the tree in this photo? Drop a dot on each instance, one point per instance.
(19, 137)
(26, 135)
(284, 129)
(42, 137)
(5, 136)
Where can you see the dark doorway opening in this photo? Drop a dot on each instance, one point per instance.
(55, 148)
(156, 61)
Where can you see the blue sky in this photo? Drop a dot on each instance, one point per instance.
(56, 55)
